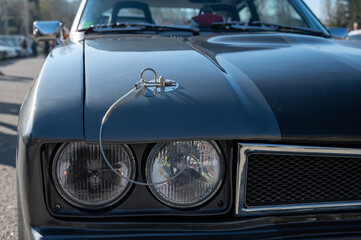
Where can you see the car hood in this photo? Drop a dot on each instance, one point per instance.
(269, 86)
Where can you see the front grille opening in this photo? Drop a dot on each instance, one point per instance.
(275, 179)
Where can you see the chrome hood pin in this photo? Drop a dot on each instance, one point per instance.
(160, 84)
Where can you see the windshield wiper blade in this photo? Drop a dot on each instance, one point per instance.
(125, 26)
(265, 26)
(245, 26)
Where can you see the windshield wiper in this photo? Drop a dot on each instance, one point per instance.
(264, 26)
(125, 26)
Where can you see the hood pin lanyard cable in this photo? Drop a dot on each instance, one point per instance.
(141, 85)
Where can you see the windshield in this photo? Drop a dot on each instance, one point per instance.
(198, 13)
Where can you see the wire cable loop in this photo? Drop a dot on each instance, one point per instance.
(142, 84)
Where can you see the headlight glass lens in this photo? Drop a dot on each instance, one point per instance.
(196, 184)
(85, 180)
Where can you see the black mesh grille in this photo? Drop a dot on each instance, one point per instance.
(293, 179)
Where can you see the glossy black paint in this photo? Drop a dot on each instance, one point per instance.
(239, 87)
(243, 86)
(53, 109)
(209, 104)
(51, 112)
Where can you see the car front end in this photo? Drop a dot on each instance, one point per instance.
(149, 131)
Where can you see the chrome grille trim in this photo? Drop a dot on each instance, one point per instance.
(245, 149)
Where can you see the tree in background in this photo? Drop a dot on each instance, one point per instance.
(329, 11)
(342, 13)
(336, 13)
(354, 11)
(56, 10)
(15, 21)
(39, 10)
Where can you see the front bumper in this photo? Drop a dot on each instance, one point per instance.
(326, 226)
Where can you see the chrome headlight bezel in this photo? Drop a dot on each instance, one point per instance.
(168, 203)
(104, 204)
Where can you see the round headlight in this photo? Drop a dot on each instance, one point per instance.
(199, 181)
(84, 179)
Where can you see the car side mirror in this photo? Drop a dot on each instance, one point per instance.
(49, 30)
(339, 33)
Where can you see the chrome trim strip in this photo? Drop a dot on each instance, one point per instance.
(245, 149)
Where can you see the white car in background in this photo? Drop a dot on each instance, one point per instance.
(15, 42)
(3, 53)
(10, 51)
(354, 35)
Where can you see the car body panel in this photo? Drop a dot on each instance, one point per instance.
(273, 86)
(193, 111)
(46, 114)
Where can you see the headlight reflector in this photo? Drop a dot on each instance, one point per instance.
(196, 184)
(84, 179)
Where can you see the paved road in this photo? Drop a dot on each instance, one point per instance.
(14, 83)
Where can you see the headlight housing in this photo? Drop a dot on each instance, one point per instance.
(199, 181)
(83, 178)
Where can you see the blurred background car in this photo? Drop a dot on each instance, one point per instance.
(10, 50)
(19, 43)
(2, 53)
(354, 35)
(10, 43)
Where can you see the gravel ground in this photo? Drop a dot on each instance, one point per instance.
(14, 83)
(8, 219)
